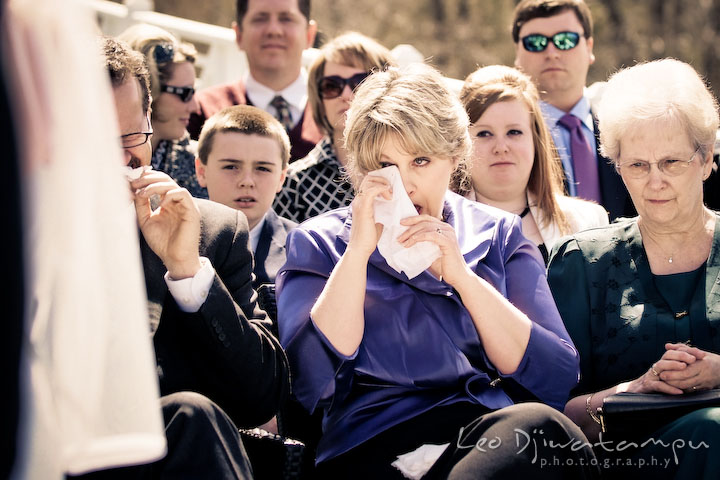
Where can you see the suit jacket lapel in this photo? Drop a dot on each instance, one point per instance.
(615, 197)
(155, 285)
(270, 252)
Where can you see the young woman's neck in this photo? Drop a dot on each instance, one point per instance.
(512, 203)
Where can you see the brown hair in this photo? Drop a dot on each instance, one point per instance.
(122, 63)
(243, 119)
(499, 83)
(351, 49)
(529, 9)
(241, 7)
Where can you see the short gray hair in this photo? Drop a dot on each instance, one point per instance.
(661, 90)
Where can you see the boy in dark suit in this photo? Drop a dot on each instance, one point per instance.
(243, 153)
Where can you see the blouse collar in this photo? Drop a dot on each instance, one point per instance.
(474, 230)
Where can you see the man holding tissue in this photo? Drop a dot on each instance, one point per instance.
(414, 313)
(215, 357)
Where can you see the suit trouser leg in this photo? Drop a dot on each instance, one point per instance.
(202, 443)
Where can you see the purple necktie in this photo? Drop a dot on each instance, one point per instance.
(583, 159)
(282, 107)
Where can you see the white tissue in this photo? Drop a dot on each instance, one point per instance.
(134, 173)
(415, 464)
(415, 259)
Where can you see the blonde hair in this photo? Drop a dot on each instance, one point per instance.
(146, 39)
(414, 105)
(243, 119)
(662, 90)
(353, 50)
(498, 83)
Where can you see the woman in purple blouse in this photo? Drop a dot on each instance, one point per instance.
(397, 363)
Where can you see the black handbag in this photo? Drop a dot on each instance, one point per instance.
(632, 415)
(272, 456)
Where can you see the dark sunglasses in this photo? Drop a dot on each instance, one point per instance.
(163, 52)
(536, 42)
(185, 93)
(333, 86)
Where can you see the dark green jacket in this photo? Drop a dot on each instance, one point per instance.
(619, 322)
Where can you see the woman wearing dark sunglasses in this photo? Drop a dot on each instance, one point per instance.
(316, 184)
(172, 81)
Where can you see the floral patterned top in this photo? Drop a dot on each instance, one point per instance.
(177, 159)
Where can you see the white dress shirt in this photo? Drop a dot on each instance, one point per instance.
(255, 234)
(295, 94)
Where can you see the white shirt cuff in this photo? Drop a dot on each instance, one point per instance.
(191, 293)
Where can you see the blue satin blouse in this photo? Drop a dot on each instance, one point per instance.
(420, 348)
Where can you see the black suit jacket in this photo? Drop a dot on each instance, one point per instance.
(225, 350)
(615, 197)
(270, 251)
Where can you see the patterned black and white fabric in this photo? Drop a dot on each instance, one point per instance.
(177, 159)
(315, 184)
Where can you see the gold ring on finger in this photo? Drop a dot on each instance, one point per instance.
(655, 372)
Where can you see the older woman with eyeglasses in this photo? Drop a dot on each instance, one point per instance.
(635, 295)
(172, 84)
(316, 183)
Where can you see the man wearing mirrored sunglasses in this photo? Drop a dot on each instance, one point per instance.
(554, 45)
(273, 34)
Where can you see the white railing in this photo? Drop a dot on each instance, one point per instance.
(219, 59)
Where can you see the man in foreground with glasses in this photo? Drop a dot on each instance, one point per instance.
(273, 34)
(218, 365)
(317, 184)
(554, 45)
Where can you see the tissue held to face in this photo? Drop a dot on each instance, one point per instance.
(425, 177)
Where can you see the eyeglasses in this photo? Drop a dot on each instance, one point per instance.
(333, 86)
(185, 93)
(536, 42)
(164, 52)
(132, 140)
(669, 166)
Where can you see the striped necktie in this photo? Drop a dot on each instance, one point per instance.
(282, 109)
(583, 160)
